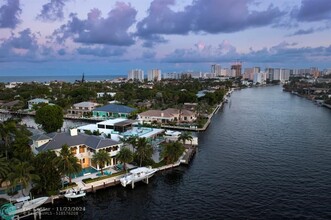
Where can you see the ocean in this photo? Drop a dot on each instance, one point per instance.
(65, 78)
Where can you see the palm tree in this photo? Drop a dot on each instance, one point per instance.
(129, 141)
(6, 131)
(20, 147)
(101, 157)
(125, 156)
(144, 150)
(172, 151)
(4, 168)
(67, 163)
(185, 136)
(50, 177)
(22, 174)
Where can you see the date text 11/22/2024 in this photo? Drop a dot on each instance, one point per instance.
(64, 211)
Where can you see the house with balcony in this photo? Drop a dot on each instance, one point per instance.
(167, 115)
(82, 146)
(112, 111)
(36, 101)
(82, 109)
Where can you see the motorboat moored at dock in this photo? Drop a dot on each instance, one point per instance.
(136, 175)
(74, 193)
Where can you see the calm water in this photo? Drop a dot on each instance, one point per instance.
(266, 155)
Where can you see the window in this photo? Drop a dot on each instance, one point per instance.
(81, 149)
(101, 126)
(83, 160)
(109, 127)
(73, 150)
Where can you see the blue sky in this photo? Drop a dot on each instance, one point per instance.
(62, 37)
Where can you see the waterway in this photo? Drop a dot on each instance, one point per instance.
(266, 155)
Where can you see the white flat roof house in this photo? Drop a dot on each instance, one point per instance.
(36, 101)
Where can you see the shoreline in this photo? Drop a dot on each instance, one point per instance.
(306, 97)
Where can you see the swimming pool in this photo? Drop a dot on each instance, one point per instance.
(87, 170)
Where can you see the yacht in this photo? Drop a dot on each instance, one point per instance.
(24, 204)
(136, 175)
(74, 193)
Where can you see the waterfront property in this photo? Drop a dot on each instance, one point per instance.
(36, 101)
(10, 105)
(121, 128)
(112, 111)
(170, 135)
(166, 116)
(82, 146)
(82, 108)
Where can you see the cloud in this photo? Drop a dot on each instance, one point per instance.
(202, 53)
(212, 16)
(23, 45)
(104, 51)
(111, 30)
(303, 32)
(148, 55)
(310, 30)
(9, 14)
(313, 10)
(283, 53)
(52, 10)
(61, 52)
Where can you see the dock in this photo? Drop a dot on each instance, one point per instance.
(188, 155)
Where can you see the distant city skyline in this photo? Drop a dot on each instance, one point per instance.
(59, 37)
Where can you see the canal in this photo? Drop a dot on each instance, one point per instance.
(266, 155)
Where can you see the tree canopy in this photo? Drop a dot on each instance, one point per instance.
(50, 117)
(101, 157)
(172, 151)
(125, 156)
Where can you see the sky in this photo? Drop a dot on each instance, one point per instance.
(61, 37)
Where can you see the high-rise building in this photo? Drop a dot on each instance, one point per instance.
(285, 75)
(216, 69)
(276, 74)
(172, 75)
(260, 77)
(136, 74)
(225, 72)
(154, 75)
(236, 69)
(249, 72)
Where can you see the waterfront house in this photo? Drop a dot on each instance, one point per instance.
(10, 105)
(122, 128)
(187, 116)
(82, 146)
(170, 135)
(82, 109)
(166, 116)
(112, 111)
(39, 140)
(36, 101)
(190, 106)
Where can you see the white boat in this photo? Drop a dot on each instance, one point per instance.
(74, 193)
(136, 175)
(25, 204)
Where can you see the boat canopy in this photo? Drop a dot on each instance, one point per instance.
(139, 170)
(22, 199)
